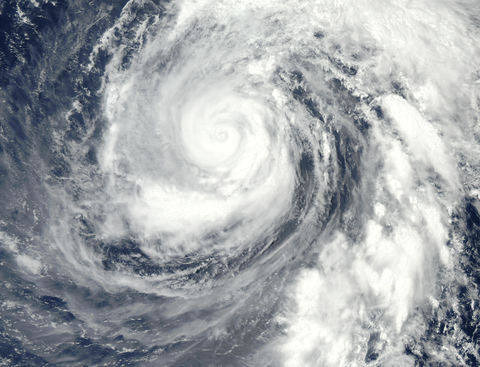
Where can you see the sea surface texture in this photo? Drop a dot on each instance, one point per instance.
(239, 183)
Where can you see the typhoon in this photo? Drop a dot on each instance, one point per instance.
(239, 183)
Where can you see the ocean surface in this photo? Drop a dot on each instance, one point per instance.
(239, 183)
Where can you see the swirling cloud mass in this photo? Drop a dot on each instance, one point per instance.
(240, 183)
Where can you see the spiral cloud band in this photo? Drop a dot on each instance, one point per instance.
(261, 183)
